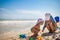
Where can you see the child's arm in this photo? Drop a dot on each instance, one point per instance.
(44, 26)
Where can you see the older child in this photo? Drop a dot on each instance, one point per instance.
(50, 23)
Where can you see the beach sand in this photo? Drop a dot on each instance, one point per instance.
(14, 35)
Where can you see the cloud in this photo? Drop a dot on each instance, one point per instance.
(23, 14)
(19, 14)
(28, 11)
(31, 13)
(20, 11)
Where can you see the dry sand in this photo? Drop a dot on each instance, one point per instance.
(14, 35)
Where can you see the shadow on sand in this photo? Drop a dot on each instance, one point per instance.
(49, 34)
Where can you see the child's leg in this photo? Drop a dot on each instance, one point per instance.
(53, 28)
(49, 28)
(34, 35)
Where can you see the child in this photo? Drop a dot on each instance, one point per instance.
(36, 28)
(50, 23)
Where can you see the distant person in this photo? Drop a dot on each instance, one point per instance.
(50, 23)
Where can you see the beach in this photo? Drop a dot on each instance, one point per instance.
(10, 30)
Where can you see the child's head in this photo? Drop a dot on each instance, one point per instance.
(47, 16)
(40, 21)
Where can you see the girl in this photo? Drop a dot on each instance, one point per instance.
(36, 28)
(50, 23)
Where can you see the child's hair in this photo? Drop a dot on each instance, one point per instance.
(50, 17)
(47, 14)
(39, 20)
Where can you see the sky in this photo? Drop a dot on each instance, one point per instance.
(28, 9)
